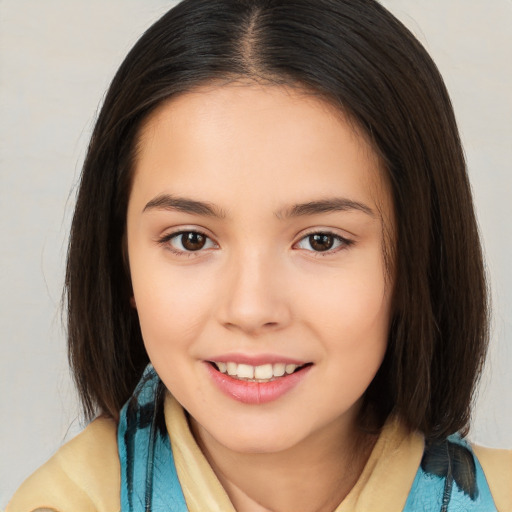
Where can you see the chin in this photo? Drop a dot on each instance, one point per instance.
(261, 439)
(267, 438)
(258, 444)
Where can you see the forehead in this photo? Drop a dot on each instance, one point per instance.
(256, 142)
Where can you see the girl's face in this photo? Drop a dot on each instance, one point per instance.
(255, 240)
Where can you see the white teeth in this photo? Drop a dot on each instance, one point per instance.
(279, 369)
(264, 372)
(290, 368)
(245, 371)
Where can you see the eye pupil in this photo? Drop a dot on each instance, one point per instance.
(193, 241)
(321, 242)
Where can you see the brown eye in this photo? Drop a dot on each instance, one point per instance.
(187, 242)
(321, 242)
(193, 241)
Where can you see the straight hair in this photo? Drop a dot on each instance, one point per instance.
(362, 60)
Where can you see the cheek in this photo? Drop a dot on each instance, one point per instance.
(358, 335)
(356, 342)
(173, 308)
(172, 305)
(353, 312)
(352, 303)
(350, 312)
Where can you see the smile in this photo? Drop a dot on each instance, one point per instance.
(256, 385)
(261, 373)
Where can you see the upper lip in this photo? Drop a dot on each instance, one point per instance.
(256, 359)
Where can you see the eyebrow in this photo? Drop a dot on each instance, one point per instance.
(335, 204)
(181, 204)
(205, 209)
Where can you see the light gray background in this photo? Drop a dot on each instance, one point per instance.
(56, 60)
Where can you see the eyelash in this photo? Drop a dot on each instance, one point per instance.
(166, 239)
(344, 243)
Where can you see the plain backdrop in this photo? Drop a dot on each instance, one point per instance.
(56, 60)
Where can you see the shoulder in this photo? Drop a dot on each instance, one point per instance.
(83, 475)
(497, 466)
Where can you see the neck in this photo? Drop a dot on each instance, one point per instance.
(313, 476)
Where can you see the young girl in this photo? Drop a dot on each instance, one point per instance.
(275, 285)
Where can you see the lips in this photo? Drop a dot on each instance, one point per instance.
(261, 373)
(256, 383)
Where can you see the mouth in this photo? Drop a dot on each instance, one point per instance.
(261, 374)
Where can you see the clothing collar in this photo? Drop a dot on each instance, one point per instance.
(163, 468)
(383, 485)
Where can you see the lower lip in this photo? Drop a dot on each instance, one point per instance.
(255, 393)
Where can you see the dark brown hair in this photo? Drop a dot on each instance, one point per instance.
(361, 59)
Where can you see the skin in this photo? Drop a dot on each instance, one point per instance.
(260, 286)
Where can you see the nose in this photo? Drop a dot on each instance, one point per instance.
(254, 296)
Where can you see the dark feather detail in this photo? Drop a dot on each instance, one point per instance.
(137, 417)
(146, 413)
(454, 462)
(160, 419)
(129, 441)
(157, 428)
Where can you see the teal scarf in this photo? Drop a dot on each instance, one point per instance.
(449, 479)
(149, 482)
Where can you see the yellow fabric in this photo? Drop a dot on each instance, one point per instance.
(383, 485)
(83, 476)
(389, 473)
(201, 488)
